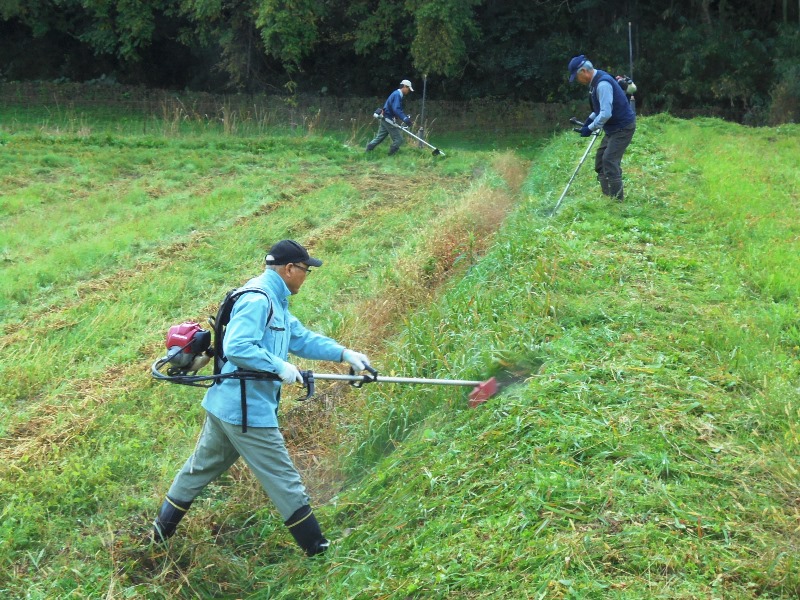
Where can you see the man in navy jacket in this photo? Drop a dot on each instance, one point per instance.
(612, 112)
(393, 109)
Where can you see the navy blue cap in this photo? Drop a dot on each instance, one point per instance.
(574, 64)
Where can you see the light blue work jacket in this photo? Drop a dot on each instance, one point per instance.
(253, 344)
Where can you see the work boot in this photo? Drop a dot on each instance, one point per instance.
(306, 532)
(393, 150)
(604, 186)
(171, 513)
(615, 190)
(370, 147)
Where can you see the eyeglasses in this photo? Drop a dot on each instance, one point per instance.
(306, 270)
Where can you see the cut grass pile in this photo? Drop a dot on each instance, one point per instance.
(651, 449)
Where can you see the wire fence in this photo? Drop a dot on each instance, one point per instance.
(306, 111)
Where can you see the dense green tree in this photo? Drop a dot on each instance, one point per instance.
(736, 55)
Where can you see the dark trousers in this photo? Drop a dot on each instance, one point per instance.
(385, 129)
(608, 160)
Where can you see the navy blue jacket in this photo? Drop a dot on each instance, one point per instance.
(394, 106)
(621, 112)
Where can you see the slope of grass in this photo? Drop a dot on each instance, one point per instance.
(647, 446)
(653, 451)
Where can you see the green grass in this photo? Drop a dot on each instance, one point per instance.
(647, 446)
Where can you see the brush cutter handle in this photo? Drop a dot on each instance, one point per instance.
(359, 380)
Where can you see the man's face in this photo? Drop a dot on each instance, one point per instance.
(405, 89)
(294, 275)
(583, 77)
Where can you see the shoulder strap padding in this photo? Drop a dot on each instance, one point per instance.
(223, 318)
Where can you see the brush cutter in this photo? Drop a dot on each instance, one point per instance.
(594, 137)
(482, 390)
(378, 115)
(188, 351)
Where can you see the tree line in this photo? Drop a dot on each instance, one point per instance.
(739, 55)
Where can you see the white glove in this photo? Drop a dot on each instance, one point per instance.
(357, 360)
(290, 374)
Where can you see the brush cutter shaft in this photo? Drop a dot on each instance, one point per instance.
(406, 131)
(578, 168)
(382, 379)
(481, 392)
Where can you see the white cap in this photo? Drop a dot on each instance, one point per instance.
(407, 83)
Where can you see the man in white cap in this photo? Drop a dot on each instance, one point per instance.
(243, 421)
(393, 109)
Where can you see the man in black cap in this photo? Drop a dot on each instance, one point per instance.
(612, 112)
(259, 337)
(393, 110)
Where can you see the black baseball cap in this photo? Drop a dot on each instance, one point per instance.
(289, 251)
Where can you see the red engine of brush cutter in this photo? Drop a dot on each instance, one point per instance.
(185, 343)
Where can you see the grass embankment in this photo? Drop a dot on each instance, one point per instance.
(651, 451)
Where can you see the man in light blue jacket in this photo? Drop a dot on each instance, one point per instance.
(259, 337)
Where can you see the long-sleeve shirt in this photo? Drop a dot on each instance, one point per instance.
(605, 96)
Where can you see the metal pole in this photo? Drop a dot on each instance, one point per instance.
(632, 101)
(630, 49)
(422, 114)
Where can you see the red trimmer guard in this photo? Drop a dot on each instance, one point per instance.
(482, 392)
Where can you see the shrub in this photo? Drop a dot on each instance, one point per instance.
(785, 105)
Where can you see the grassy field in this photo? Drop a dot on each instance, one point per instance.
(648, 446)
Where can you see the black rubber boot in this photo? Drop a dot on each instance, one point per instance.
(615, 190)
(604, 186)
(171, 513)
(306, 532)
(370, 147)
(393, 150)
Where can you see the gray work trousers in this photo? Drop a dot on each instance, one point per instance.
(608, 160)
(385, 129)
(263, 450)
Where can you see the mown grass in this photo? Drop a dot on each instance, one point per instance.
(139, 232)
(646, 447)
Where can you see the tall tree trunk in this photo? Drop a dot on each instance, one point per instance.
(706, 13)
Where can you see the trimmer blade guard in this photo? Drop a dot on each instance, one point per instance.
(482, 392)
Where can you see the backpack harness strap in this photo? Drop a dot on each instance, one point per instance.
(242, 381)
